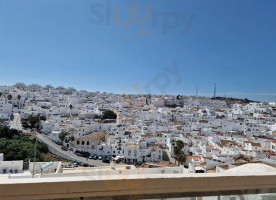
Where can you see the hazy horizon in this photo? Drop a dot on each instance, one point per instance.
(240, 96)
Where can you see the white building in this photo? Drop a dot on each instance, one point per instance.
(12, 167)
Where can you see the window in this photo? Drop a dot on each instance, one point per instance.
(82, 142)
(87, 142)
(78, 142)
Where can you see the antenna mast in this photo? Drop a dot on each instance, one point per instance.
(215, 90)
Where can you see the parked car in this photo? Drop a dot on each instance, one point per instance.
(100, 158)
(95, 157)
(64, 148)
(118, 159)
(82, 154)
(78, 154)
(85, 154)
(106, 160)
(90, 157)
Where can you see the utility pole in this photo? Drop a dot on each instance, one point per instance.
(215, 90)
(196, 91)
(31, 138)
(34, 158)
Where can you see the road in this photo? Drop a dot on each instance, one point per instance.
(56, 149)
(70, 154)
(16, 122)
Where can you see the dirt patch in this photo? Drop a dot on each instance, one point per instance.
(51, 157)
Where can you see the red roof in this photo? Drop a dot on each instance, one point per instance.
(145, 166)
(192, 157)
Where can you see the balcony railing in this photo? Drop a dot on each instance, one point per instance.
(140, 186)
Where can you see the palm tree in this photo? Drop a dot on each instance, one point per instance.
(178, 151)
(62, 136)
(18, 97)
(38, 121)
(71, 107)
(180, 144)
(181, 158)
(9, 97)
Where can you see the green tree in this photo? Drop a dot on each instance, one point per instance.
(62, 136)
(17, 146)
(72, 138)
(181, 158)
(180, 144)
(43, 118)
(71, 107)
(180, 155)
(1, 94)
(25, 124)
(18, 97)
(176, 151)
(109, 114)
(5, 132)
(9, 97)
(33, 121)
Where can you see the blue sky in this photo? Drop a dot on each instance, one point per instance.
(181, 45)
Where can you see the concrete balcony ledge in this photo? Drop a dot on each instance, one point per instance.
(134, 186)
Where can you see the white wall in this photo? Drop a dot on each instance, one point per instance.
(11, 166)
(37, 167)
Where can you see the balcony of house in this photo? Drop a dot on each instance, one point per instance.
(125, 182)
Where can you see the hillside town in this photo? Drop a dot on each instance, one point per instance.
(204, 135)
